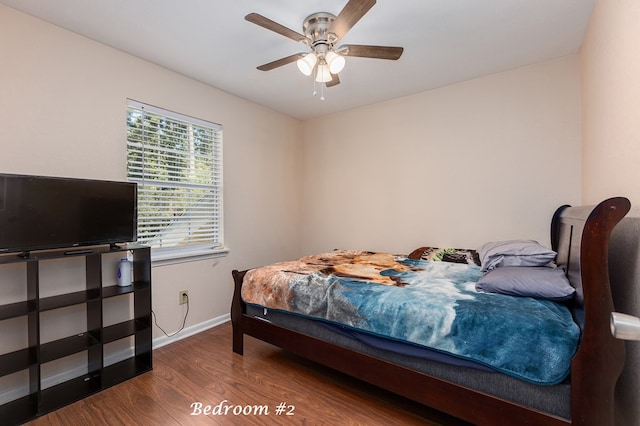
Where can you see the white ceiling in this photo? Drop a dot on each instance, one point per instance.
(445, 42)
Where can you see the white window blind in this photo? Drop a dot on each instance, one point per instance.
(177, 162)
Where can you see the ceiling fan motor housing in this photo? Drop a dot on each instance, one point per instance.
(316, 28)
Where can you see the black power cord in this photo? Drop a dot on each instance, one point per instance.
(184, 321)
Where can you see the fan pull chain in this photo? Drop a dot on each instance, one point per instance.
(315, 91)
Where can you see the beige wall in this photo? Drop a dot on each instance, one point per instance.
(486, 159)
(610, 60)
(63, 105)
(610, 63)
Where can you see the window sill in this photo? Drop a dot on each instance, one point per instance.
(161, 259)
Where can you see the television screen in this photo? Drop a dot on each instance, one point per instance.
(38, 212)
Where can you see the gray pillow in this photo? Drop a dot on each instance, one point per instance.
(514, 253)
(531, 281)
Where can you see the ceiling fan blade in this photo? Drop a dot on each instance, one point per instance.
(280, 62)
(275, 27)
(335, 80)
(365, 51)
(349, 16)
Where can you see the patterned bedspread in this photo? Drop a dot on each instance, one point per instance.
(428, 303)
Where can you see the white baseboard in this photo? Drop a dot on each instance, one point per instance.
(158, 342)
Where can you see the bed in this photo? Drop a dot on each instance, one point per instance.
(573, 360)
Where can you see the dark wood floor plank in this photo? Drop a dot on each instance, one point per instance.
(203, 369)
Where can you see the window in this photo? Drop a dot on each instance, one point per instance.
(176, 161)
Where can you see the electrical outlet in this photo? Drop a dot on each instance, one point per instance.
(183, 297)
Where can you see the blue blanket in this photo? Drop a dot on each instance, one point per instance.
(432, 304)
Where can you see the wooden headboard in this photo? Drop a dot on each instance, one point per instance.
(580, 236)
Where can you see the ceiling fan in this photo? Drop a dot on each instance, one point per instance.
(322, 32)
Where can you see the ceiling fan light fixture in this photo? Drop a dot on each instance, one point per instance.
(323, 75)
(307, 63)
(336, 62)
(321, 32)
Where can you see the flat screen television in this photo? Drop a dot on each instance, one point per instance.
(40, 212)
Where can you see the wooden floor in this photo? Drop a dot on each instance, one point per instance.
(265, 386)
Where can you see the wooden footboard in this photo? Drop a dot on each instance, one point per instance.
(580, 235)
(238, 309)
